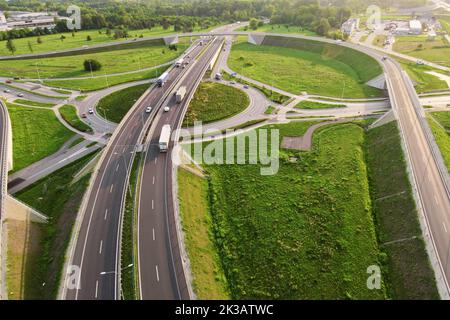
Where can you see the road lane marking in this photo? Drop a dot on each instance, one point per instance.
(157, 273)
(106, 213)
(111, 189)
(445, 228)
(117, 168)
(153, 180)
(153, 205)
(101, 246)
(156, 159)
(96, 289)
(153, 234)
(436, 199)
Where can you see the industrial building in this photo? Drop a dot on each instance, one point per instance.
(30, 20)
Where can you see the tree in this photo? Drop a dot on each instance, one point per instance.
(62, 37)
(39, 40)
(30, 47)
(92, 65)
(10, 46)
(253, 24)
(88, 38)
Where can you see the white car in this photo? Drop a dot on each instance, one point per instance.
(148, 110)
(7, 91)
(166, 109)
(419, 62)
(20, 95)
(91, 111)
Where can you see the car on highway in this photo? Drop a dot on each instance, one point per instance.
(384, 58)
(148, 109)
(419, 62)
(20, 94)
(91, 111)
(232, 82)
(245, 86)
(83, 115)
(8, 81)
(7, 91)
(166, 109)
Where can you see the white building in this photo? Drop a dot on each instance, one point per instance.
(415, 27)
(31, 20)
(350, 25)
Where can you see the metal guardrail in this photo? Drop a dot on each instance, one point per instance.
(3, 193)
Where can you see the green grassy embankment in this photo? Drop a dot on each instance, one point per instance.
(116, 105)
(440, 126)
(37, 133)
(69, 114)
(58, 198)
(305, 104)
(406, 267)
(215, 101)
(297, 65)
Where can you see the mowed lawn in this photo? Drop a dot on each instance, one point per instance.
(317, 70)
(116, 105)
(304, 233)
(437, 51)
(215, 101)
(70, 115)
(37, 133)
(53, 42)
(424, 82)
(97, 83)
(114, 61)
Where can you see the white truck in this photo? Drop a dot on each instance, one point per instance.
(179, 63)
(162, 79)
(164, 138)
(179, 95)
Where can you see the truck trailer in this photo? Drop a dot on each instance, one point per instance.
(162, 79)
(164, 138)
(179, 95)
(179, 63)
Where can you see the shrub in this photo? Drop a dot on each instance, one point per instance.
(92, 65)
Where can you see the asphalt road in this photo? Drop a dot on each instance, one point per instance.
(97, 247)
(161, 270)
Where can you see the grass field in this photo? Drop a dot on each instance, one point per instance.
(54, 43)
(37, 133)
(129, 288)
(34, 103)
(301, 65)
(59, 199)
(406, 267)
(117, 61)
(424, 82)
(311, 222)
(116, 105)
(437, 51)
(305, 104)
(276, 28)
(440, 125)
(379, 40)
(209, 281)
(86, 85)
(69, 114)
(215, 101)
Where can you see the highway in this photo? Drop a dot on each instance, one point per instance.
(98, 231)
(161, 272)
